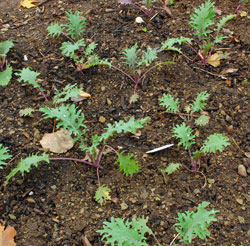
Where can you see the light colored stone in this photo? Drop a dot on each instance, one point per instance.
(242, 171)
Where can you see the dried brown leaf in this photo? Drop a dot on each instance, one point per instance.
(7, 236)
(57, 142)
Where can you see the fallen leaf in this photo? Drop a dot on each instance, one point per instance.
(229, 70)
(57, 142)
(84, 94)
(214, 59)
(28, 3)
(7, 236)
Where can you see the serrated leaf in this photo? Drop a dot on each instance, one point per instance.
(55, 30)
(127, 165)
(5, 76)
(26, 75)
(130, 126)
(69, 118)
(5, 47)
(96, 140)
(131, 56)
(195, 224)
(102, 194)
(214, 142)
(67, 92)
(169, 43)
(199, 103)
(24, 165)
(172, 167)
(202, 18)
(171, 104)
(3, 156)
(133, 98)
(76, 26)
(119, 232)
(184, 134)
(26, 112)
(69, 48)
(224, 20)
(90, 48)
(148, 57)
(202, 120)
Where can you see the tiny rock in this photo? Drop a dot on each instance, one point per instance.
(139, 20)
(12, 216)
(242, 171)
(124, 206)
(240, 201)
(102, 119)
(241, 219)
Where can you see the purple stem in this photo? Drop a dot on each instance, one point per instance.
(126, 74)
(43, 94)
(74, 159)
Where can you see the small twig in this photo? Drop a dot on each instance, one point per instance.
(174, 239)
(218, 75)
(42, 2)
(238, 146)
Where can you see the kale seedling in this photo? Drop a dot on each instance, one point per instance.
(82, 54)
(184, 132)
(140, 63)
(194, 224)
(5, 68)
(201, 21)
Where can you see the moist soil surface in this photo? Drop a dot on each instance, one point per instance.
(54, 203)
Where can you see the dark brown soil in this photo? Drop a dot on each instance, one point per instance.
(54, 204)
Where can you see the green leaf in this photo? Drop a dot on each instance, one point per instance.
(224, 20)
(214, 142)
(202, 18)
(92, 150)
(67, 92)
(127, 165)
(69, 118)
(68, 48)
(102, 194)
(169, 44)
(172, 167)
(119, 232)
(184, 134)
(171, 104)
(5, 47)
(148, 57)
(26, 112)
(25, 164)
(26, 75)
(195, 224)
(199, 103)
(219, 38)
(3, 155)
(202, 120)
(55, 30)
(90, 48)
(5, 76)
(77, 25)
(131, 56)
(130, 126)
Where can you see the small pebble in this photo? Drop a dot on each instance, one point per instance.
(240, 201)
(242, 171)
(102, 119)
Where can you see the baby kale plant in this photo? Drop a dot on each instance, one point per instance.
(5, 68)
(76, 48)
(184, 132)
(133, 233)
(140, 63)
(201, 21)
